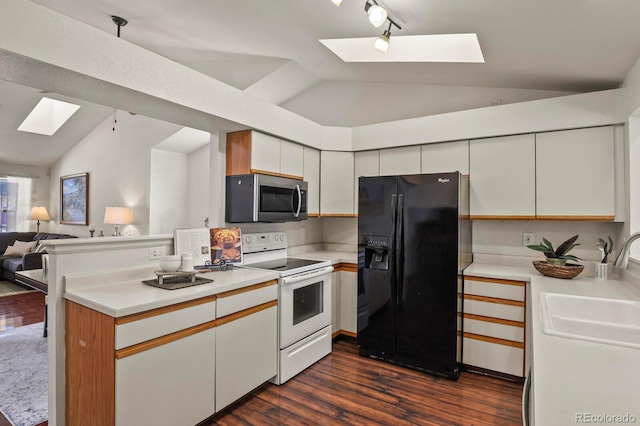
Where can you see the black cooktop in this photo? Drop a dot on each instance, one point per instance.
(286, 264)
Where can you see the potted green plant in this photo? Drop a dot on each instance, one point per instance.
(601, 268)
(559, 256)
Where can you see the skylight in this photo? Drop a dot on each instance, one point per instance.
(419, 48)
(48, 116)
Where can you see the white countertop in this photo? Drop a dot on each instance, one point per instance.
(333, 256)
(574, 377)
(122, 293)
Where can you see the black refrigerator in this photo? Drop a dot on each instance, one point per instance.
(414, 240)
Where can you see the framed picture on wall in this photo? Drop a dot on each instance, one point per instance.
(74, 199)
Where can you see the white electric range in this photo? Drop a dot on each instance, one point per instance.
(304, 301)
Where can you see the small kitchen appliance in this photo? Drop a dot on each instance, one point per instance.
(304, 301)
(265, 198)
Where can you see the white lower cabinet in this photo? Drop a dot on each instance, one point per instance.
(493, 326)
(335, 302)
(492, 356)
(171, 384)
(349, 301)
(246, 355)
(344, 300)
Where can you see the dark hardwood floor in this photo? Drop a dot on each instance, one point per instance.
(344, 388)
(20, 310)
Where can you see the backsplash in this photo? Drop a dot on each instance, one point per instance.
(505, 237)
(490, 237)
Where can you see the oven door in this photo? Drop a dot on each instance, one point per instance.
(305, 305)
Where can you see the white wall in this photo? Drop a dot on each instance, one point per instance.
(198, 189)
(566, 112)
(168, 192)
(504, 237)
(119, 164)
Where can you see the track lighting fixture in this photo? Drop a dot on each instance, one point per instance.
(382, 43)
(337, 2)
(377, 14)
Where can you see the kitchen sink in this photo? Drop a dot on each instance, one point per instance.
(594, 319)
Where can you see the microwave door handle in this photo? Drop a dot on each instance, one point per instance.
(297, 212)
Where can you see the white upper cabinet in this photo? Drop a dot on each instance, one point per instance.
(291, 159)
(400, 161)
(336, 183)
(312, 177)
(265, 153)
(367, 163)
(502, 177)
(446, 157)
(249, 151)
(575, 176)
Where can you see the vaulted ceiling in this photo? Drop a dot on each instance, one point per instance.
(270, 49)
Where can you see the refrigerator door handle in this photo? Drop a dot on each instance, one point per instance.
(393, 208)
(399, 249)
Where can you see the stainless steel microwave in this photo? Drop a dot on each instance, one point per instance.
(264, 198)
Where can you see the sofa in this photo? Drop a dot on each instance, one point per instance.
(9, 265)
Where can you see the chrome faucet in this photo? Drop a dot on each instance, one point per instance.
(623, 256)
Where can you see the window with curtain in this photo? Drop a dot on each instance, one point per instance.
(17, 196)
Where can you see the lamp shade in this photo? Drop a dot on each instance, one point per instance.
(39, 213)
(381, 44)
(118, 215)
(377, 15)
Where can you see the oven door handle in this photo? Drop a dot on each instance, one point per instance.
(306, 276)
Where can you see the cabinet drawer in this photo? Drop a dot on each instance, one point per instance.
(499, 289)
(139, 328)
(244, 298)
(493, 356)
(493, 329)
(494, 310)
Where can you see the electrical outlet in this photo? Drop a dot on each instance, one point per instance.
(527, 238)
(156, 252)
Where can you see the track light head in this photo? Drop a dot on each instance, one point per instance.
(337, 2)
(382, 43)
(377, 14)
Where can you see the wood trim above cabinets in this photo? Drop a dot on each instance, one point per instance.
(163, 340)
(247, 288)
(264, 172)
(313, 215)
(504, 342)
(164, 310)
(583, 218)
(338, 215)
(245, 313)
(494, 300)
(491, 217)
(344, 266)
(291, 176)
(565, 218)
(494, 280)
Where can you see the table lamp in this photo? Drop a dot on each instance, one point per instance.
(118, 216)
(39, 213)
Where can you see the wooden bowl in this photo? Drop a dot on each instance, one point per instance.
(567, 271)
